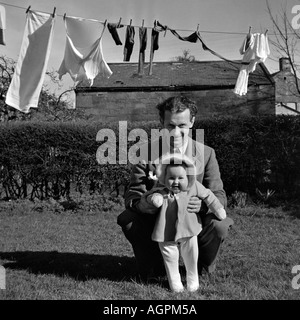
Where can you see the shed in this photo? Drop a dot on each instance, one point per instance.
(130, 96)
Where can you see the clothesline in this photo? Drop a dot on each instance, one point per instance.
(23, 94)
(137, 26)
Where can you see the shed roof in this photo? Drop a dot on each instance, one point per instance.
(183, 74)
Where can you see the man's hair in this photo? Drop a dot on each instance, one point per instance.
(177, 104)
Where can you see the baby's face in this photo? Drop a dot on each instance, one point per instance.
(176, 179)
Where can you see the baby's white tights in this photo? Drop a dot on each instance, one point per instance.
(189, 251)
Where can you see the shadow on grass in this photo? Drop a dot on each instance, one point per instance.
(79, 266)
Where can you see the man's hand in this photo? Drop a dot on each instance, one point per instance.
(144, 206)
(194, 205)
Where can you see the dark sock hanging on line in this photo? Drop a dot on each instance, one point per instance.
(112, 28)
(143, 38)
(154, 46)
(129, 42)
(143, 46)
(154, 42)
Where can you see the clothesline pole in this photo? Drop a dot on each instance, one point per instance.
(151, 59)
(141, 64)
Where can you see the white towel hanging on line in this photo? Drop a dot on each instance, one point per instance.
(25, 87)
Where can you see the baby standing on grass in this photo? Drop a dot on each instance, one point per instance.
(176, 229)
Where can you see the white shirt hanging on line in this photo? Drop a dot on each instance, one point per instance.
(255, 50)
(25, 87)
(83, 63)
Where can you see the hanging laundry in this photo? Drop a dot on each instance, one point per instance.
(206, 48)
(2, 25)
(246, 43)
(143, 46)
(195, 36)
(83, 63)
(129, 42)
(191, 38)
(25, 87)
(112, 28)
(159, 27)
(154, 46)
(256, 52)
(154, 42)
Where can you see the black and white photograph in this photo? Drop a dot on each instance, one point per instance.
(149, 153)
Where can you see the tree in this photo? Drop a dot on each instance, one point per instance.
(286, 41)
(185, 57)
(50, 107)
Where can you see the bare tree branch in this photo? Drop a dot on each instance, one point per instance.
(286, 41)
(51, 106)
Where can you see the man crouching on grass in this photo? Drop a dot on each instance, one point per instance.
(177, 115)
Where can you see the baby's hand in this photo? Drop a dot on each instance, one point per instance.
(156, 199)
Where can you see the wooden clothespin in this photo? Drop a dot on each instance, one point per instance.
(53, 14)
(130, 23)
(166, 29)
(28, 9)
(248, 36)
(143, 23)
(266, 32)
(248, 39)
(64, 17)
(119, 23)
(105, 22)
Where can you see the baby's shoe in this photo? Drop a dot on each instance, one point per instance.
(192, 283)
(192, 287)
(221, 213)
(176, 287)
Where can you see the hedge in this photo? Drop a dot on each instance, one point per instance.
(257, 152)
(53, 159)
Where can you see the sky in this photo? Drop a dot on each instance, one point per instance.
(223, 24)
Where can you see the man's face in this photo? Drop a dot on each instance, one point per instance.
(176, 178)
(178, 125)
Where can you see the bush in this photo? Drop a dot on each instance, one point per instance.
(54, 159)
(257, 152)
(49, 160)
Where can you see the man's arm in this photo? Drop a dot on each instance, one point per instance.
(212, 178)
(140, 183)
(137, 185)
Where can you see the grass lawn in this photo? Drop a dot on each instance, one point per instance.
(83, 255)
